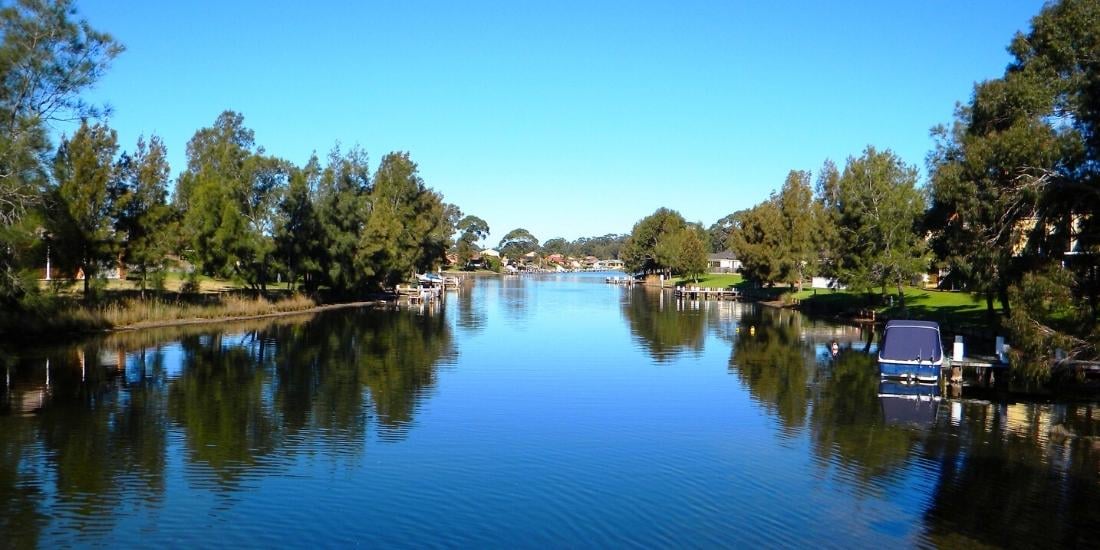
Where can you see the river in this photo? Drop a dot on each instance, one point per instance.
(540, 411)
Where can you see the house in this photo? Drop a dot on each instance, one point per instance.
(723, 262)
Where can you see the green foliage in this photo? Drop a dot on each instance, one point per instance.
(605, 246)
(878, 223)
(1042, 318)
(518, 242)
(298, 231)
(718, 234)
(343, 211)
(685, 251)
(643, 251)
(472, 229)
(82, 216)
(228, 195)
(143, 215)
(46, 60)
(408, 230)
(756, 240)
(798, 254)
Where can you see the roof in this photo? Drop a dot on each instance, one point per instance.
(911, 340)
(727, 255)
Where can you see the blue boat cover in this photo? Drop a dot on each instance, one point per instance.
(910, 340)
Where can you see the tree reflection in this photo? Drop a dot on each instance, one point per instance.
(848, 426)
(665, 326)
(219, 402)
(92, 428)
(1016, 475)
(771, 360)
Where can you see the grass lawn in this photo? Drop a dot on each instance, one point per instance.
(172, 283)
(954, 308)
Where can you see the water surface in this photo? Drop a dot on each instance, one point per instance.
(532, 412)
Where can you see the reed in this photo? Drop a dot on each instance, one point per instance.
(52, 317)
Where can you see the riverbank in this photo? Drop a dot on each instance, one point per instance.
(53, 317)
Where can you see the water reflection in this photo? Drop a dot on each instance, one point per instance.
(320, 428)
(1024, 474)
(85, 430)
(666, 327)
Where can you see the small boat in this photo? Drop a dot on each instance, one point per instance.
(911, 350)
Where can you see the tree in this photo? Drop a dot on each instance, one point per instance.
(826, 210)
(46, 60)
(407, 230)
(84, 168)
(797, 252)
(880, 212)
(556, 245)
(342, 211)
(718, 233)
(755, 240)
(298, 232)
(518, 242)
(143, 211)
(228, 195)
(472, 229)
(641, 252)
(689, 251)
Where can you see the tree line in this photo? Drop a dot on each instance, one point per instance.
(236, 211)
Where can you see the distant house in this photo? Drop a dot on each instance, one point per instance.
(723, 262)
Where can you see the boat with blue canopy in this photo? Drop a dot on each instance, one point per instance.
(911, 350)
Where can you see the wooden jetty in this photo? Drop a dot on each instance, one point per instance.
(625, 281)
(696, 293)
(983, 367)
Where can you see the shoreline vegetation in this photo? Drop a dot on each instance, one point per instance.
(119, 306)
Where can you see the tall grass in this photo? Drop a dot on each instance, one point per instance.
(48, 317)
(137, 312)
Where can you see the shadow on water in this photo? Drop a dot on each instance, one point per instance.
(87, 427)
(1000, 474)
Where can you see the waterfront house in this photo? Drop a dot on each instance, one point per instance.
(723, 262)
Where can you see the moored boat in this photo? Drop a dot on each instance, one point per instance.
(911, 350)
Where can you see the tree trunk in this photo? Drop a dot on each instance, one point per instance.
(990, 312)
(901, 300)
(1002, 293)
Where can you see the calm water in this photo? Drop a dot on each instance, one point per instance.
(524, 412)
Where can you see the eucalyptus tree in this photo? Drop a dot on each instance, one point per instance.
(718, 233)
(82, 216)
(518, 242)
(47, 58)
(880, 214)
(557, 245)
(471, 230)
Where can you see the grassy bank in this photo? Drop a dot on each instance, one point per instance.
(954, 309)
(52, 316)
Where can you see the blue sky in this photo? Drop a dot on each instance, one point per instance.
(567, 118)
